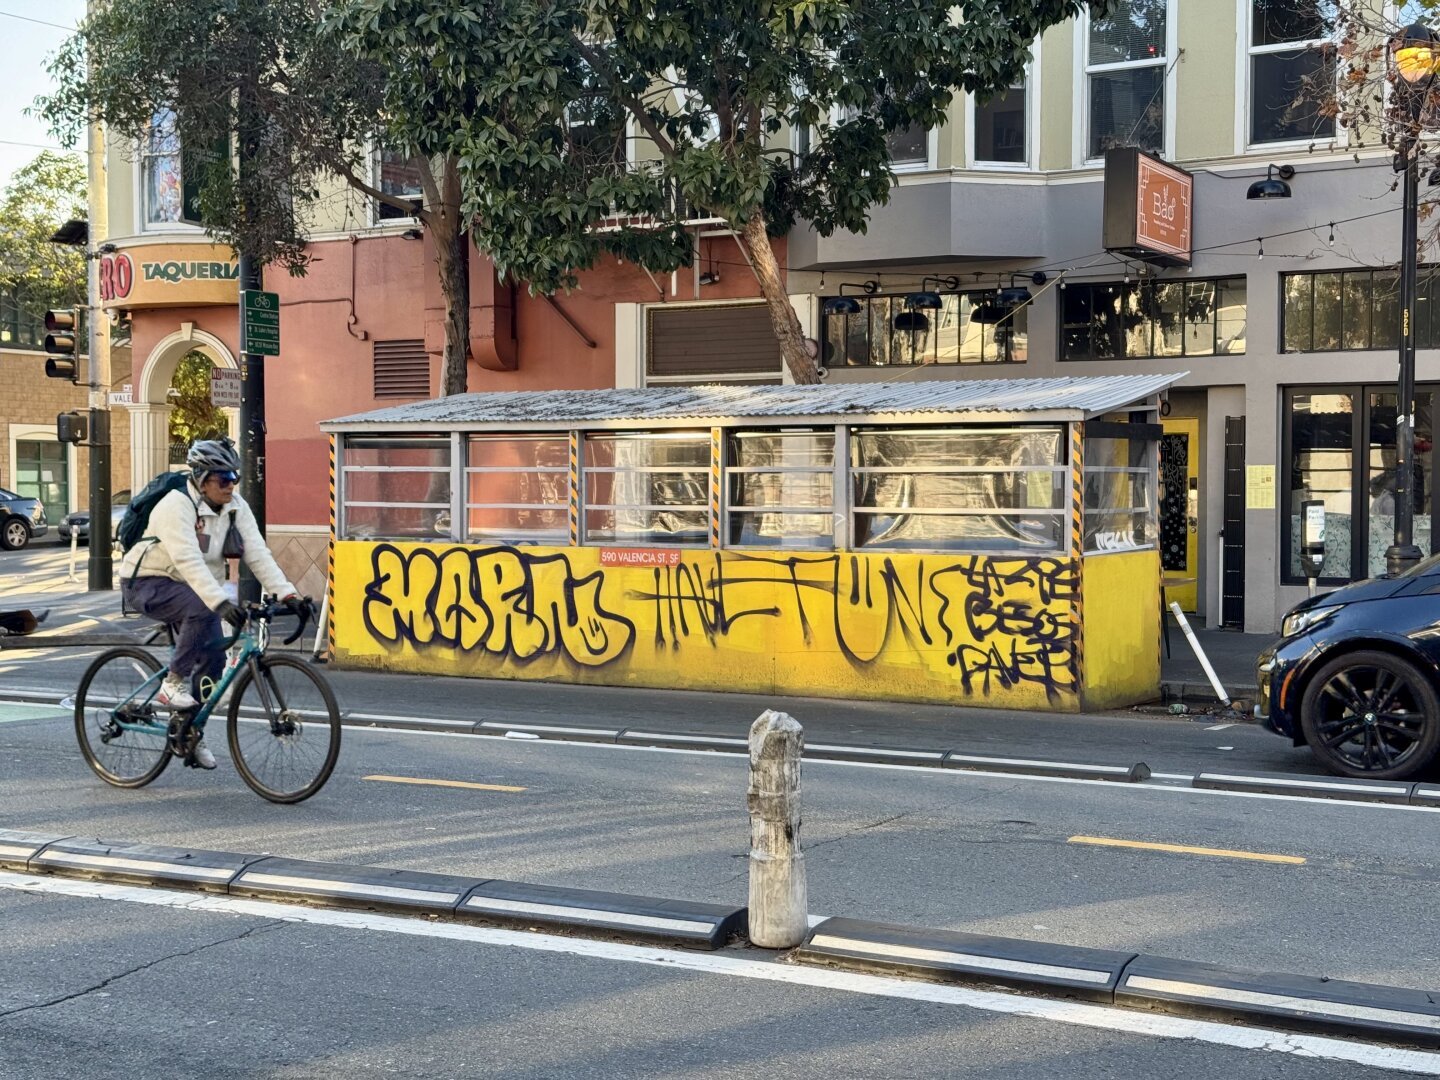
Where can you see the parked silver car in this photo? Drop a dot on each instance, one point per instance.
(21, 518)
(79, 521)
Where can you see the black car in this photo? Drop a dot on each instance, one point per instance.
(1356, 675)
(21, 518)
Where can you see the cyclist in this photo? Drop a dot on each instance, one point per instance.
(175, 573)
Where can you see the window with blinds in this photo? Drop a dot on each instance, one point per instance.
(402, 369)
(700, 344)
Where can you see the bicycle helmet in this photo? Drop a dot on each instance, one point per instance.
(208, 456)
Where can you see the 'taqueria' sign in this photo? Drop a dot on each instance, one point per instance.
(169, 275)
(173, 271)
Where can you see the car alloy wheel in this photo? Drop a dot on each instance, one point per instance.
(14, 535)
(1372, 714)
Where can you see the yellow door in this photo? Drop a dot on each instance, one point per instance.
(1180, 510)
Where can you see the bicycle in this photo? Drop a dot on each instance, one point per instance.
(128, 742)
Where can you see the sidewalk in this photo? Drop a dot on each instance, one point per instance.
(41, 584)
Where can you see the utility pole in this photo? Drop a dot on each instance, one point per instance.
(252, 364)
(97, 324)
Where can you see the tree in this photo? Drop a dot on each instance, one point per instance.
(41, 197)
(317, 115)
(193, 415)
(712, 87)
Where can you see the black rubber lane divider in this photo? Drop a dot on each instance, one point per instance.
(351, 886)
(1425, 795)
(1314, 787)
(143, 864)
(1030, 965)
(1124, 774)
(610, 914)
(18, 848)
(1301, 1001)
(883, 755)
(551, 731)
(682, 740)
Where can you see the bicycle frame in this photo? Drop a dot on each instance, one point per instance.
(252, 645)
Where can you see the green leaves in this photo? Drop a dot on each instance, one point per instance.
(41, 197)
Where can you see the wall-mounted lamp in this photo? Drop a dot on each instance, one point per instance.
(710, 277)
(107, 249)
(1274, 185)
(412, 234)
(848, 305)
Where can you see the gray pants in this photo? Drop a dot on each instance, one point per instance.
(199, 651)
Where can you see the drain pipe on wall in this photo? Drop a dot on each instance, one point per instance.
(1199, 653)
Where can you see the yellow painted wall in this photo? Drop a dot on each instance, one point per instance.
(1122, 628)
(964, 629)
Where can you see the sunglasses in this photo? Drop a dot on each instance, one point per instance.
(226, 479)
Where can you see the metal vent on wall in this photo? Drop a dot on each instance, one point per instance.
(402, 369)
(703, 341)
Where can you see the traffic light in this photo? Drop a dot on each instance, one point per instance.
(70, 427)
(60, 336)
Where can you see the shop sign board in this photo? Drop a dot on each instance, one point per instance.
(1149, 208)
(168, 275)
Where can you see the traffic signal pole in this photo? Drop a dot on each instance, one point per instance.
(101, 568)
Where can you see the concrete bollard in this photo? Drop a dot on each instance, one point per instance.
(779, 914)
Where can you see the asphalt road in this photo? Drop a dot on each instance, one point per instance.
(943, 850)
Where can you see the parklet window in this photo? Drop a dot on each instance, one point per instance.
(1292, 70)
(517, 488)
(1120, 495)
(968, 328)
(396, 488)
(647, 488)
(976, 489)
(1116, 321)
(1125, 66)
(780, 489)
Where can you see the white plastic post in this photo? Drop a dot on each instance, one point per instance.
(74, 554)
(779, 912)
(320, 624)
(1199, 653)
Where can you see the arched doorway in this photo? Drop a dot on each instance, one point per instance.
(150, 412)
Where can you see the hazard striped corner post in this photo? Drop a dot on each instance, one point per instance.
(259, 338)
(779, 915)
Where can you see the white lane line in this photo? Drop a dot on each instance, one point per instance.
(1155, 1025)
(1219, 727)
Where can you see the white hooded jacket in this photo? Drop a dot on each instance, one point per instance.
(171, 546)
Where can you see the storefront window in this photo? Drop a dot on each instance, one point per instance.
(1381, 474)
(518, 488)
(1140, 320)
(647, 488)
(981, 489)
(1321, 438)
(396, 488)
(967, 329)
(1120, 495)
(781, 489)
(1356, 309)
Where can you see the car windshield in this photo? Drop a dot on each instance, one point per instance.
(7, 494)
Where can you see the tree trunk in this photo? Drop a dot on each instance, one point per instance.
(788, 331)
(452, 260)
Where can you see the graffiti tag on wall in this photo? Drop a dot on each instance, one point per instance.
(991, 624)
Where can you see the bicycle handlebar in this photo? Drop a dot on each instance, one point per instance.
(301, 607)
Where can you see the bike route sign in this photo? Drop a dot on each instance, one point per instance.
(260, 324)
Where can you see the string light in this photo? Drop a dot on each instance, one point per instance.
(1261, 242)
(1331, 241)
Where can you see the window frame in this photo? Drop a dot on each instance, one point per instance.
(377, 221)
(1215, 354)
(516, 533)
(1084, 70)
(729, 469)
(695, 435)
(972, 294)
(1428, 274)
(838, 115)
(344, 470)
(143, 224)
(1031, 85)
(1245, 88)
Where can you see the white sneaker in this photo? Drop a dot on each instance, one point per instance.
(174, 694)
(203, 757)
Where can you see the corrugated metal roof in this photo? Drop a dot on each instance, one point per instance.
(1082, 397)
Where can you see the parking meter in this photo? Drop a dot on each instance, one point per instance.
(1312, 539)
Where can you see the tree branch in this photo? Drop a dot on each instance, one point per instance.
(630, 101)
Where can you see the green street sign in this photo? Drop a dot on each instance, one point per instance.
(260, 323)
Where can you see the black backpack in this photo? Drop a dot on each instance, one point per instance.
(137, 514)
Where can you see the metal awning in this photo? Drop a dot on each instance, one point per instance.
(970, 400)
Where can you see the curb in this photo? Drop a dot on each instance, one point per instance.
(1131, 980)
(646, 919)
(1315, 787)
(1110, 977)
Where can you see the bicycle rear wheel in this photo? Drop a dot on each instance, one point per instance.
(126, 757)
(284, 729)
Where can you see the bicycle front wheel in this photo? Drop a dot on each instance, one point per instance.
(121, 736)
(284, 729)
